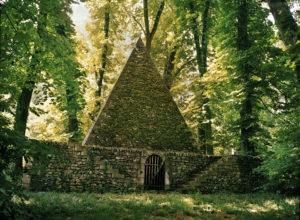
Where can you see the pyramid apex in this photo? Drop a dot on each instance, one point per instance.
(140, 111)
(140, 43)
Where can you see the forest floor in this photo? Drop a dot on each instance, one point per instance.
(53, 205)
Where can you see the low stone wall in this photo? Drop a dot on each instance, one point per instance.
(231, 173)
(98, 169)
(90, 169)
(243, 180)
(181, 166)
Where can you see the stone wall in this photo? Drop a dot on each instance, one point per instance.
(90, 169)
(181, 166)
(233, 173)
(98, 169)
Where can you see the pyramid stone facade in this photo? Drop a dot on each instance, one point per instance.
(140, 111)
(140, 141)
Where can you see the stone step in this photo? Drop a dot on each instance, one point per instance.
(198, 179)
(195, 175)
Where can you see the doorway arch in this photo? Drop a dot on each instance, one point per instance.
(154, 173)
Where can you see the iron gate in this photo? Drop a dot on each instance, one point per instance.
(154, 173)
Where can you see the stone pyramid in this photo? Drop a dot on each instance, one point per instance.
(140, 111)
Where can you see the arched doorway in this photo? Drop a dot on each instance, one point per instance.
(154, 173)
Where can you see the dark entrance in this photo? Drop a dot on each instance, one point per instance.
(154, 173)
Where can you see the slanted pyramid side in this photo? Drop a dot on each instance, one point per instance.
(140, 111)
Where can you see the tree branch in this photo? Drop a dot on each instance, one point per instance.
(178, 70)
(141, 26)
(204, 40)
(157, 18)
(135, 19)
(11, 23)
(196, 34)
(146, 17)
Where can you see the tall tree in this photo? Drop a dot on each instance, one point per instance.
(190, 12)
(248, 120)
(205, 130)
(254, 67)
(100, 76)
(288, 29)
(45, 29)
(102, 60)
(149, 34)
(169, 67)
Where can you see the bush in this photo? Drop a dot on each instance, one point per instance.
(13, 147)
(281, 161)
(11, 150)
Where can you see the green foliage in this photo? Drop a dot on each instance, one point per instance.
(12, 147)
(281, 158)
(38, 54)
(272, 78)
(10, 177)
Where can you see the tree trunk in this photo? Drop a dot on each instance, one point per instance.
(204, 40)
(23, 103)
(72, 100)
(73, 128)
(103, 58)
(147, 29)
(196, 35)
(22, 110)
(169, 67)
(149, 35)
(204, 130)
(247, 126)
(288, 29)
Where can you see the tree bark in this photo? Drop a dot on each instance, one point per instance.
(287, 26)
(71, 98)
(204, 130)
(247, 124)
(204, 41)
(196, 35)
(73, 128)
(22, 110)
(146, 20)
(150, 34)
(103, 57)
(23, 103)
(21, 116)
(288, 29)
(169, 67)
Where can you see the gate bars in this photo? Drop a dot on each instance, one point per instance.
(154, 173)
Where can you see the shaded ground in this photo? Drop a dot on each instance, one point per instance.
(162, 206)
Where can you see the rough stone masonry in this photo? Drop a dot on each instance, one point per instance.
(141, 119)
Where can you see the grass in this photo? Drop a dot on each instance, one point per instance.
(77, 206)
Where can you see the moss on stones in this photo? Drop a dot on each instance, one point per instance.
(140, 111)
